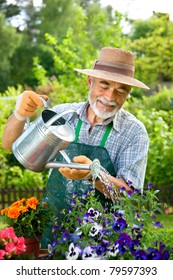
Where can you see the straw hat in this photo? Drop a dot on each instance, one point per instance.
(115, 65)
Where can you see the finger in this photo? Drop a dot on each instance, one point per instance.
(34, 99)
(82, 159)
(45, 97)
(65, 172)
(78, 174)
(29, 103)
(74, 174)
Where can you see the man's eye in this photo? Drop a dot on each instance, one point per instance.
(122, 92)
(104, 86)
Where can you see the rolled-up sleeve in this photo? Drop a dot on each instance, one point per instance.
(132, 160)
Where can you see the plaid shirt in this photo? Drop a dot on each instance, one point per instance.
(127, 143)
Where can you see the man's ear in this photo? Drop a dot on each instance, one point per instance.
(89, 80)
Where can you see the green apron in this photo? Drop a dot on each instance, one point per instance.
(60, 190)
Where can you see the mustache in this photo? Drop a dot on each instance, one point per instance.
(105, 102)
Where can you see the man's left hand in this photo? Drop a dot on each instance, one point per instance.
(76, 174)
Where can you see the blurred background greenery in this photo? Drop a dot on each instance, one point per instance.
(41, 46)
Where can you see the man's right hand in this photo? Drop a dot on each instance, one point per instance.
(27, 104)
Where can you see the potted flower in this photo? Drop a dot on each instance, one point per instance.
(127, 230)
(10, 244)
(29, 218)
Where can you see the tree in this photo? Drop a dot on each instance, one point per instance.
(9, 10)
(79, 50)
(91, 26)
(10, 40)
(56, 16)
(152, 42)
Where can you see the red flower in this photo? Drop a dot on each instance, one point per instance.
(2, 253)
(11, 244)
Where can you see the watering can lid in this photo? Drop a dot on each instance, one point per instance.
(65, 132)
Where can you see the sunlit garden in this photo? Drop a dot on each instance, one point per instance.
(37, 56)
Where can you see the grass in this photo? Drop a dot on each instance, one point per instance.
(2, 225)
(166, 220)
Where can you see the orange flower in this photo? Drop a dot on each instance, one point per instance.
(32, 202)
(27, 216)
(5, 210)
(45, 203)
(18, 203)
(13, 213)
(23, 209)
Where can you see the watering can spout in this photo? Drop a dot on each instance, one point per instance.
(56, 164)
(94, 166)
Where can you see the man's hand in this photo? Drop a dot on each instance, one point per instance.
(27, 104)
(76, 174)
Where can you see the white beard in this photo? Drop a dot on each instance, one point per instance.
(101, 113)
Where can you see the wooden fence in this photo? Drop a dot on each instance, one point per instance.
(9, 195)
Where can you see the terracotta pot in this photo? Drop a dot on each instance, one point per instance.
(32, 246)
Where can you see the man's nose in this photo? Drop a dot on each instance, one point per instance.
(111, 94)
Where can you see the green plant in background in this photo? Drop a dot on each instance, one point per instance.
(11, 172)
(160, 158)
(157, 115)
(127, 230)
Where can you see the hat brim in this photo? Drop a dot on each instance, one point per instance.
(119, 78)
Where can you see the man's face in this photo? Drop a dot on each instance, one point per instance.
(106, 97)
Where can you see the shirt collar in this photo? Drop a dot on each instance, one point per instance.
(116, 121)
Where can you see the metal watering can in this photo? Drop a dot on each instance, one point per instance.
(46, 137)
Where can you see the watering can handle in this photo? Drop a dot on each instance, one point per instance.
(45, 107)
(54, 118)
(44, 102)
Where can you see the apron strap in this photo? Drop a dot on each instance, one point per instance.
(78, 128)
(105, 136)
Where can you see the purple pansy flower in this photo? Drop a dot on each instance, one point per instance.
(140, 255)
(89, 253)
(119, 225)
(102, 248)
(158, 225)
(74, 252)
